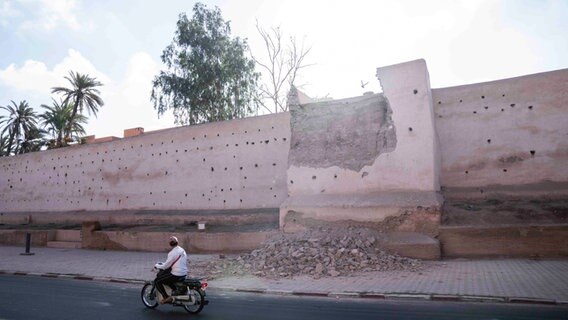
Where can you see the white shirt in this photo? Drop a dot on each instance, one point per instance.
(180, 267)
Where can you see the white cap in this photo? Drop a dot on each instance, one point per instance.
(174, 238)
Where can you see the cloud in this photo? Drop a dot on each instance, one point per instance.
(127, 101)
(48, 14)
(127, 104)
(34, 76)
(7, 12)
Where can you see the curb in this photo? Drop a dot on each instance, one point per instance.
(333, 294)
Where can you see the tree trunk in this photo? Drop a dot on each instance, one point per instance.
(72, 118)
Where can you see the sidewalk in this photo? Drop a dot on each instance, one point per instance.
(506, 280)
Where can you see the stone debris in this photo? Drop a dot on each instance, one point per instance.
(321, 253)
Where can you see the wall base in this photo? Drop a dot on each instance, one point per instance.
(534, 241)
(386, 212)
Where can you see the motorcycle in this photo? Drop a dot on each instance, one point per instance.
(189, 294)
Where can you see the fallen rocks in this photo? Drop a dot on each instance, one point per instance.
(318, 253)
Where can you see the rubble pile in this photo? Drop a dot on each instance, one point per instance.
(319, 254)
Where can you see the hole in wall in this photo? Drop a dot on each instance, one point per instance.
(488, 140)
(291, 181)
(512, 105)
(504, 170)
(486, 107)
(466, 172)
(533, 152)
(410, 129)
(415, 91)
(530, 107)
(314, 177)
(502, 110)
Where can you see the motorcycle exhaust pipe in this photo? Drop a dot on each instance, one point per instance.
(182, 298)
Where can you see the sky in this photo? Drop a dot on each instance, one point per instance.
(120, 42)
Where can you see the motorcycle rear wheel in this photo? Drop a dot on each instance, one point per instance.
(149, 296)
(197, 306)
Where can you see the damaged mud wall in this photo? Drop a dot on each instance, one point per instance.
(372, 143)
(511, 132)
(347, 133)
(369, 160)
(237, 164)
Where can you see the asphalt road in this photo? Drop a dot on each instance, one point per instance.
(28, 297)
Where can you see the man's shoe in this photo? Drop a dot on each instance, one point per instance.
(167, 300)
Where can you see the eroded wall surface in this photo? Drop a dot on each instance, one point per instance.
(235, 164)
(376, 143)
(506, 132)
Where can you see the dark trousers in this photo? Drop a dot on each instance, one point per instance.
(165, 277)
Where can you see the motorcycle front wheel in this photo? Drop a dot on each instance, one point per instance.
(149, 296)
(197, 306)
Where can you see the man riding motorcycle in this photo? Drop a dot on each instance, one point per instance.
(173, 270)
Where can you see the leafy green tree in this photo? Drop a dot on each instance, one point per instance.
(56, 120)
(83, 94)
(20, 121)
(209, 77)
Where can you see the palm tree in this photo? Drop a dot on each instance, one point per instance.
(57, 119)
(33, 141)
(3, 144)
(21, 120)
(83, 94)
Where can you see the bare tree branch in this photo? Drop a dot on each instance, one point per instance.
(281, 66)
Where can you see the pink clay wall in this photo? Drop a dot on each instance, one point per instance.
(506, 132)
(237, 164)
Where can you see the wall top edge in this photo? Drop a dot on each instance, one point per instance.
(503, 80)
(356, 99)
(166, 131)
